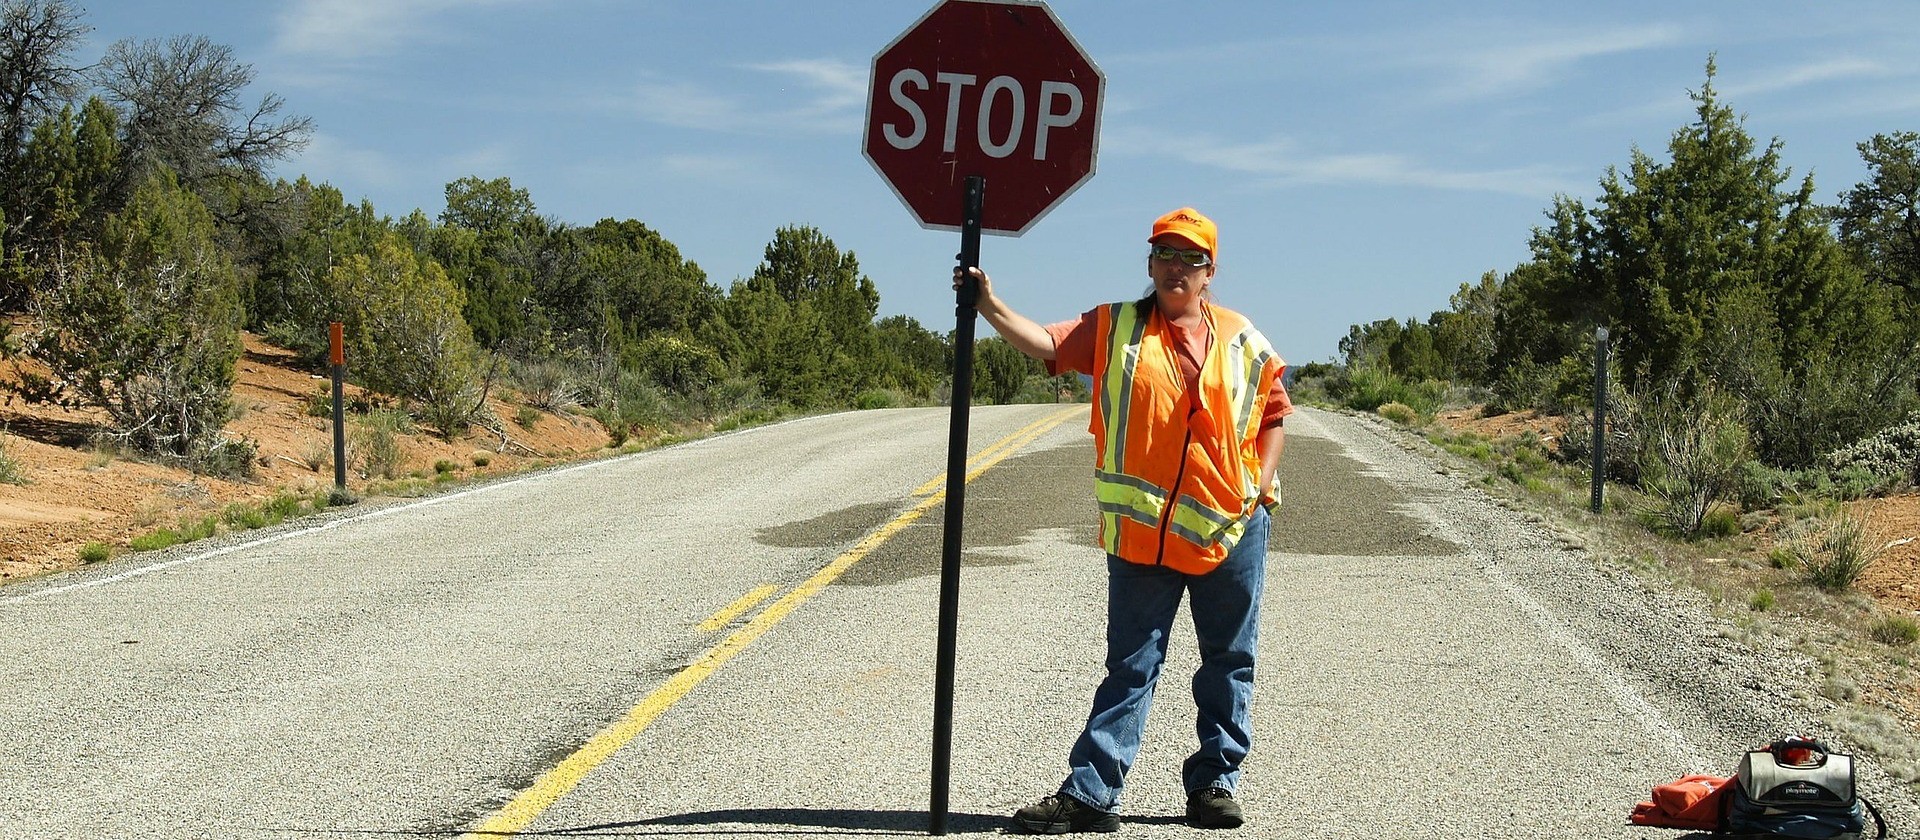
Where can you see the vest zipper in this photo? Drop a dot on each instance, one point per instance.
(1173, 498)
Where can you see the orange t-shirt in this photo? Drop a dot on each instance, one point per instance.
(1073, 351)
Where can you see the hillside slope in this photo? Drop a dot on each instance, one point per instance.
(77, 493)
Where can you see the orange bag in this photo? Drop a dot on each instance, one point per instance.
(1688, 802)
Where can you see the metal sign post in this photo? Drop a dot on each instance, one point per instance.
(964, 317)
(1599, 417)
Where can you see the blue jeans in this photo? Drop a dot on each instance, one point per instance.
(1141, 604)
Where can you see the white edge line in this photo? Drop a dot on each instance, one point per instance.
(334, 523)
(1623, 692)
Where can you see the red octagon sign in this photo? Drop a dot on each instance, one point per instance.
(995, 88)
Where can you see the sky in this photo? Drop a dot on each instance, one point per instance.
(1362, 159)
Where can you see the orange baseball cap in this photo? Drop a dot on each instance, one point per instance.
(1188, 224)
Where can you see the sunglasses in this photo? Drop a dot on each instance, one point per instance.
(1195, 258)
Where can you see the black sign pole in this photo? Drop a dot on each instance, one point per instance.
(1599, 419)
(964, 316)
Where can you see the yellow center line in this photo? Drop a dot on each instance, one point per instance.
(732, 611)
(526, 807)
(1012, 440)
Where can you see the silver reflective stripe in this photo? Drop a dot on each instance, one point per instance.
(1156, 491)
(1107, 399)
(1130, 512)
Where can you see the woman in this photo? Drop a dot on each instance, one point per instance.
(1188, 428)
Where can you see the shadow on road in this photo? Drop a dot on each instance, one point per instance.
(784, 821)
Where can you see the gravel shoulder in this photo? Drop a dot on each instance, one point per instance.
(1706, 688)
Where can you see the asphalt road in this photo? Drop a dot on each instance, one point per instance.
(735, 637)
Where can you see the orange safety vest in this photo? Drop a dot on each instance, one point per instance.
(1154, 444)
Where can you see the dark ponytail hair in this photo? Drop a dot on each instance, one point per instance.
(1144, 307)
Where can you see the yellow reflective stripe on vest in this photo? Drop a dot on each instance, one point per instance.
(1203, 526)
(1122, 494)
(1245, 361)
(1125, 330)
(1125, 495)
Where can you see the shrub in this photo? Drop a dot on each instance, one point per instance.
(1399, 413)
(1832, 551)
(1623, 440)
(226, 458)
(10, 469)
(527, 416)
(1521, 385)
(1760, 486)
(156, 540)
(95, 552)
(617, 430)
(549, 385)
(877, 398)
(444, 466)
(316, 455)
(1690, 455)
(679, 366)
(309, 344)
(405, 330)
(1761, 601)
(481, 457)
(1856, 482)
(1897, 630)
(1891, 454)
(1782, 557)
(1368, 387)
(378, 446)
(1721, 521)
(145, 326)
(281, 507)
(244, 517)
(199, 529)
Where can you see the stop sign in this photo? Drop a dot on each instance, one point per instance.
(995, 88)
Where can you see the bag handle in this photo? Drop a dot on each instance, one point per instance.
(1799, 751)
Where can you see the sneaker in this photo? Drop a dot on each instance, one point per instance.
(1213, 808)
(1060, 813)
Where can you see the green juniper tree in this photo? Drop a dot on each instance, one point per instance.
(145, 325)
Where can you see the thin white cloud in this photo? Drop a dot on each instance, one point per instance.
(347, 29)
(335, 160)
(1280, 162)
(814, 96)
(1835, 93)
(1819, 72)
(684, 104)
(487, 161)
(840, 84)
(1491, 62)
(711, 167)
